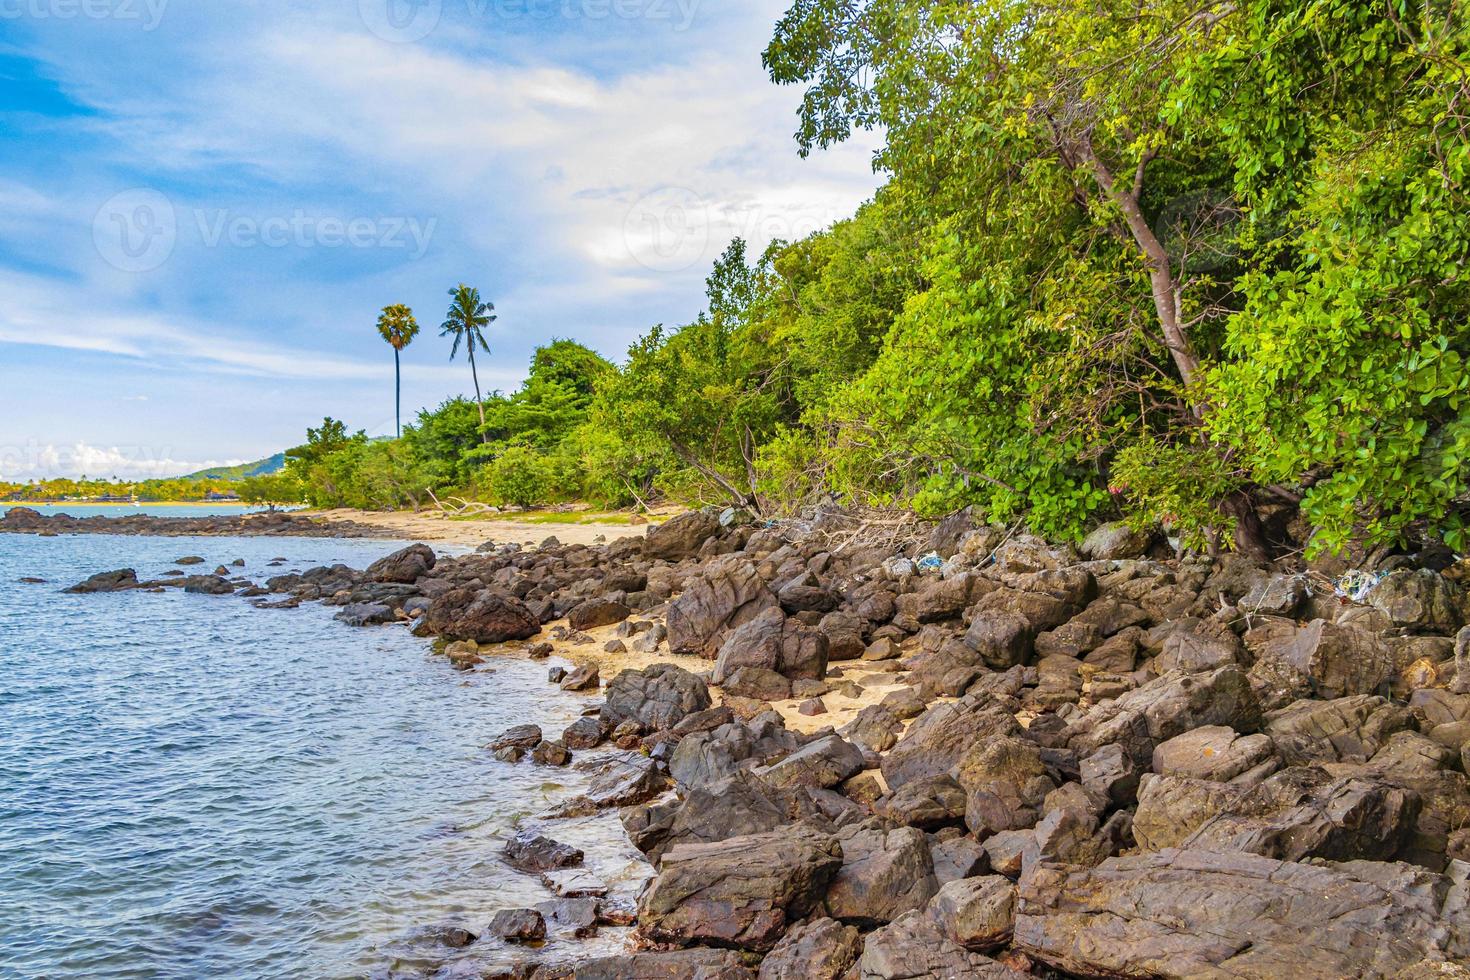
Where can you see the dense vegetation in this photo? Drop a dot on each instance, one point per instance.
(1185, 263)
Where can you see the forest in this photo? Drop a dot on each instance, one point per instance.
(1192, 265)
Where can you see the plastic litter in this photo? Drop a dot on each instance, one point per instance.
(1355, 584)
(930, 562)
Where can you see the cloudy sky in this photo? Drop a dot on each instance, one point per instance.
(203, 206)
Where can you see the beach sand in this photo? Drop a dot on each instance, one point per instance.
(436, 527)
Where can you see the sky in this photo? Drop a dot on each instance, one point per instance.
(205, 204)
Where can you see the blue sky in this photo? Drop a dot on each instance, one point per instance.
(204, 204)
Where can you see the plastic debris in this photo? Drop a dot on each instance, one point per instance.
(1355, 584)
(930, 562)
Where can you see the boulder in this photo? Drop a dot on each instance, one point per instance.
(533, 852)
(939, 737)
(707, 757)
(1192, 913)
(583, 677)
(403, 567)
(1005, 782)
(884, 874)
(728, 594)
(977, 913)
(742, 892)
(1322, 659)
(118, 581)
(820, 949)
(736, 806)
(822, 764)
(482, 615)
(1001, 637)
(366, 614)
(680, 537)
(1421, 601)
(1342, 730)
(678, 964)
(956, 858)
(774, 643)
(518, 925)
(875, 728)
(1111, 774)
(592, 613)
(913, 947)
(1114, 542)
(939, 600)
(1213, 752)
(586, 732)
(520, 737)
(1171, 808)
(927, 803)
(657, 697)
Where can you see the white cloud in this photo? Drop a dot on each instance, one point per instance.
(22, 463)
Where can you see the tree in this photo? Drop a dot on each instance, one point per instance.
(468, 316)
(397, 326)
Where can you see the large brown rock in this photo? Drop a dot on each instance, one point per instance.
(729, 593)
(772, 642)
(1190, 913)
(404, 567)
(884, 874)
(592, 613)
(680, 537)
(743, 892)
(1420, 600)
(657, 697)
(677, 964)
(978, 913)
(1005, 783)
(118, 581)
(1342, 730)
(1321, 659)
(939, 737)
(1214, 752)
(913, 947)
(821, 949)
(482, 615)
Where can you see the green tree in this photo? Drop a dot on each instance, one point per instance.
(467, 317)
(397, 326)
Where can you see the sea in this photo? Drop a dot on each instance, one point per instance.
(191, 787)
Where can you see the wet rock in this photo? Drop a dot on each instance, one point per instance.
(743, 892)
(518, 925)
(118, 581)
(551, 754)
(977, 913)
(521, 737)
(728, 594)
(404, 567)
(884, 874)
(913, 947)
(680, 537)
(533, 852)
(1201, 913)
(820, 949)
(189, 560)
(594, 613)
(621, 782)
(584, 677)
(366, 614)
(482, 615)
(577, 915)
(657, 697)
(584, 733)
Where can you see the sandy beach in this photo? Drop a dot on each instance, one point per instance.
(436, 527)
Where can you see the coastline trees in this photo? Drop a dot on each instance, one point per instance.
(397, 326)
(467, 317)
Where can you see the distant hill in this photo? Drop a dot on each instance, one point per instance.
(261, 467)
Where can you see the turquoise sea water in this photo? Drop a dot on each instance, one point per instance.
(124, 510)
(194, 788)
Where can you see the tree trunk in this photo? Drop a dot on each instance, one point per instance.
(397, 394)
(1250, 536)
(484, 438)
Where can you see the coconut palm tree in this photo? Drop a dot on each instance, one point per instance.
(467, 316)
(397, 326)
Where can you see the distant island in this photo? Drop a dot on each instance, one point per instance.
(218, 484)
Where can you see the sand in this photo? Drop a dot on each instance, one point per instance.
(436, 527)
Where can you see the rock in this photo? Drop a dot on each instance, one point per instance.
(592, 613)
(190, 560)
(1342, 730)
(1214, 752)
(657, 697)
(532, 852)
(958, 857)
(1420, 600)
(1193, 652)
(551, 754)
(875, 728)
(927, 803)
(206, 585)
(587, 732)
(680, 537)
(1007, 851)
(743, 892)
(118, 581)
(1114, 542)
(403, 567)
(884, 874)
(728, 594)
(1323, 660)
(521, 737)
(707, 757)
(1005, 782)
(1002, 637)
(977, 913)
(938, 600)
(518, 925)
(622, 781)
(679, 964)
(912, 947)
(822, 764)
(821, 949)
(366, 614)
(482, 615)
(773, 643)
(1171, 808)
(1187, 913)
(757, 683)
(812, 706)
(1110, 773)
(805, 593)
(579, 915)
(942, 734)
(584, 677)
(736, 806)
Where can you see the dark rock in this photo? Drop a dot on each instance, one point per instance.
(822, 764)
(1420, 600)
(812, 706)
(518, 925)
(820, 949)
(875, 728)
(118, 581)
(551, 754)
(404, 567)
(757, 683)
(1113, 542)
(1323, 660)
(584, 733)
(584, 677)
(521, 737)
(657, 697)
(482, 615)
(743, 892)
(942, 734)
(592, 613)
(728, 594)
(1005, 782)
(533, 852)
(366, 614)
(1193, 913)
(621, 782)
(679, 964)
(959, 857)
(1342, 730)
(680, 537)
(773, 643)
(884, 874)
(928, 803)
(1110, 773)
(913, 947)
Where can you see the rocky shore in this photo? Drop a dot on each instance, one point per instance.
(25, 520)
(963, 752)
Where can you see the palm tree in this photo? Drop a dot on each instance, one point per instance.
(467, 316)
(397, 326)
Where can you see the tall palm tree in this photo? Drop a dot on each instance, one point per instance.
(397, 326)
(467, 316)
